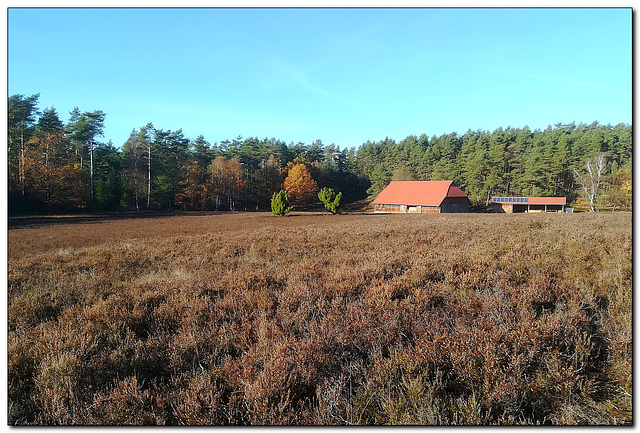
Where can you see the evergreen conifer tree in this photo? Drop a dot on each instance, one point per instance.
(330, 199)
(280, 203)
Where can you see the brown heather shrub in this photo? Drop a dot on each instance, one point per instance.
(208, 319)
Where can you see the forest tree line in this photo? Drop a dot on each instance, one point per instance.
(55, 166)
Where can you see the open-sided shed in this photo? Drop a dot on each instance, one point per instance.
(528, 204)
(421, 197)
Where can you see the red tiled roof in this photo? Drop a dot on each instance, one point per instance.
(454, 191)
(547, 200)
(418, 193)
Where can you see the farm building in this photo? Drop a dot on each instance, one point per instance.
(528, 204)
(421, 197)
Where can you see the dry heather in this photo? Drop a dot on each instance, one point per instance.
(316, 319)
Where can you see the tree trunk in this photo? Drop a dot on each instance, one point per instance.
(21, 165)
(135, 181)
(486, 203)
(149, 174)
(591, 181)
(91, 169)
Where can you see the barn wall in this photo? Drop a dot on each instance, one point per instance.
(449, 205)
(430, 209)
(392, 208)
(502, 207)
(401, 208)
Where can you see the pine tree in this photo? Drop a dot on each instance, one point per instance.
(379, 178)
(330, 199)
(22, 112)
(402, 174)
(49, 122)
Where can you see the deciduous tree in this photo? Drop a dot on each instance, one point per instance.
(72, 189)
(146, 135)
(270, 175)
(132, 152)
(300, 186)
(618, 194)
(591, 180)
(196, 189)
(227, 181)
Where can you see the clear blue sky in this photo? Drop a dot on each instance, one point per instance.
(340, 75)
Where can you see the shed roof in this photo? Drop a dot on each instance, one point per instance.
(418, 193)
(547, 200)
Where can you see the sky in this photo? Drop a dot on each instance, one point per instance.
(343, 76)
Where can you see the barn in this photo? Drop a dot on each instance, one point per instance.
(528, 204)
(421, 197)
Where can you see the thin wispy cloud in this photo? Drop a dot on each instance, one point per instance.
(300, 76)
(578, 84)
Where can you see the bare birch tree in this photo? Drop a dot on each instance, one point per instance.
(133, 151)
(590, 181)
(147, 132)
(95, 126)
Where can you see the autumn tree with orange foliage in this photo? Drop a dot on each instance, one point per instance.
(297, 160)
(300, 185)
(38, 168)
(195, 188)
(619, 194)
(54, 185)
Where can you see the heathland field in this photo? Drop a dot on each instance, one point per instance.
(249, 318)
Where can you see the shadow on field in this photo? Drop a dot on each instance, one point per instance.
(48, 220)
(31, 221)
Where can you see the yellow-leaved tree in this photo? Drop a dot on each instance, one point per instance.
(227, 182)
(194, 197)
(300, 186)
